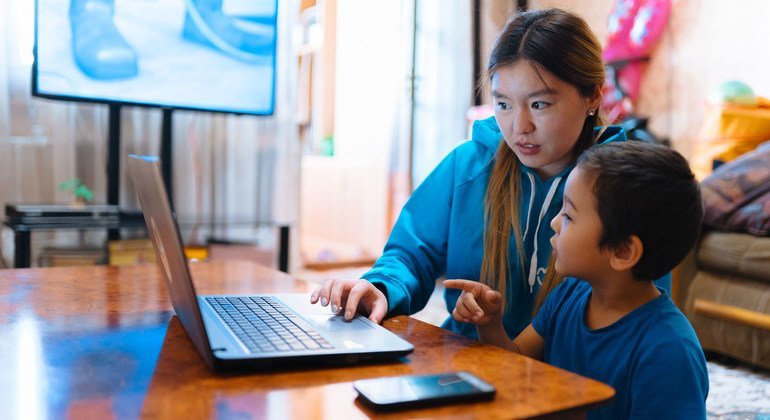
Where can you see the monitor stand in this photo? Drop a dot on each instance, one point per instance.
(113, 158)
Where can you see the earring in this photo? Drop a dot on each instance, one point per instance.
(591, 112)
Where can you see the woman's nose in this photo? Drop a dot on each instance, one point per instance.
(522, 122)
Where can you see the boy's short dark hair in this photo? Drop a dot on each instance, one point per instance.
(646, 190)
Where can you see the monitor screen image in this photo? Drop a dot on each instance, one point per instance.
(208, 55)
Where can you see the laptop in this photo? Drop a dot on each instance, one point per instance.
(229, 331)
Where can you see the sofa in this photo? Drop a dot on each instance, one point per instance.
(723, 287)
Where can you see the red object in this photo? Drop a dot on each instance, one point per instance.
(634, 27)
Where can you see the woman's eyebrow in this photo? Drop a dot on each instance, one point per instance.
(498, 94)
(541, 92)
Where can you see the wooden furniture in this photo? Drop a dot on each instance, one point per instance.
(113, 218)
(102, 342)
(22, 220)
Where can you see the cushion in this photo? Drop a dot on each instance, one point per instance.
(737, 253)
(736, 196)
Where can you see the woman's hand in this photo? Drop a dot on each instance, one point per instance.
(477, 304)
(352, 296)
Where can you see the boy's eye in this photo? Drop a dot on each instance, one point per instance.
(539, 105)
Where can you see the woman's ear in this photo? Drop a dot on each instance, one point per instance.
(625, 256)
(595, 100)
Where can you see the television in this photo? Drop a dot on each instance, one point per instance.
(206, 55)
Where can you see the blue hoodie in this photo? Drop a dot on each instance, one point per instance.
(440, 232)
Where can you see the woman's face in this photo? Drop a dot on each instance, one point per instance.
(540, 121)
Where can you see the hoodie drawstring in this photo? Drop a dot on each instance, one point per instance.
(531, 203)
(547, 203)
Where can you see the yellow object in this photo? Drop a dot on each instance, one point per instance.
(141, 251)
(728, 132)
(131, 251)
(196, 252)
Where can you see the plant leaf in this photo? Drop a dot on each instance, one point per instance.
(70, 183)
(84, 192)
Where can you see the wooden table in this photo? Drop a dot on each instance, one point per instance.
(102, 342)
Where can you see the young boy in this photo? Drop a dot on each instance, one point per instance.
(631, 212)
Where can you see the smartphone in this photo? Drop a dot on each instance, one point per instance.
(413, 391)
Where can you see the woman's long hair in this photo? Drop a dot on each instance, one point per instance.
(563, 44)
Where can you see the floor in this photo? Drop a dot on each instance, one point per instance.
(737, 391)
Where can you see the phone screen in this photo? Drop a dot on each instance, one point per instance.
(415, 389)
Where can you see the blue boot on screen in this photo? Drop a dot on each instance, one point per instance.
(247, 39)
(99, 49)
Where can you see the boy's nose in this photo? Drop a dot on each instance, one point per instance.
(555, 223)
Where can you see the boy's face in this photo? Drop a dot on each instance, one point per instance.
(578, 230)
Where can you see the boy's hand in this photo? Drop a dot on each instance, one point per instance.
(350, 296)
(478, 303)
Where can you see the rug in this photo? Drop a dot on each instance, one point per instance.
(737, 391)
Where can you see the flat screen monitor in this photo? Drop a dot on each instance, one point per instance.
(207, 55)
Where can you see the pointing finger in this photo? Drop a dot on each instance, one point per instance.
(468, 286)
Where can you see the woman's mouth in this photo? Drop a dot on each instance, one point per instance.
(527, 149)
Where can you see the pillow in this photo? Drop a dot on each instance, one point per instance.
(736, 196)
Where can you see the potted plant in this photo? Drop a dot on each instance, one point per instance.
(81, 194)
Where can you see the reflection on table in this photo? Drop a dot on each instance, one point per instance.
(102, 342)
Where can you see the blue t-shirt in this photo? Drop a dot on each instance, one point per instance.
(651, 356)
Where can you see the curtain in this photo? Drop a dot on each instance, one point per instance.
(234, 177)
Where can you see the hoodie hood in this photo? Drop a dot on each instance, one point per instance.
(610, 134)
(487, 132)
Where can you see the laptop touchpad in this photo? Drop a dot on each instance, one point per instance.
(338, 323)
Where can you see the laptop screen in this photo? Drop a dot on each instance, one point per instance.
(148, 181)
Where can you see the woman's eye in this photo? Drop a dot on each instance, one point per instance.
(502, 105)
(539, 105)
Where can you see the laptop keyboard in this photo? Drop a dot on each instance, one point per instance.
(264, 325)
